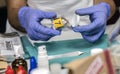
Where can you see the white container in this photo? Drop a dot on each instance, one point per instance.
(43, 64)
(43, 57)
(96, 51)
(55, 68)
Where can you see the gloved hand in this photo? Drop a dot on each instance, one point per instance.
(98, 16)
(30, 20)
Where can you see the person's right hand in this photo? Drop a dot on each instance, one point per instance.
(30, 20)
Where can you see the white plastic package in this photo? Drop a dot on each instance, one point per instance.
(7, 43)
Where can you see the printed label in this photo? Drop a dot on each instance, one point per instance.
(95, 67)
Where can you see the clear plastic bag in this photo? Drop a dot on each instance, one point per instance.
(7, 43)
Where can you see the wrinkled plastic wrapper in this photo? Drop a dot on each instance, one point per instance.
(7, 43)
(115, 55)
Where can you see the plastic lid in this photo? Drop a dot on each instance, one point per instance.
(33, 63)
(42, 50)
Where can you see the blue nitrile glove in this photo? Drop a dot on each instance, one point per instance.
(30, 20)
(98, 16)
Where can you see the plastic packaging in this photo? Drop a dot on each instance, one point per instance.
(7, 41)
(115, 53)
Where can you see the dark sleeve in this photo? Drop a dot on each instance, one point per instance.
(3, 17)
(116, 15)
(117, 2)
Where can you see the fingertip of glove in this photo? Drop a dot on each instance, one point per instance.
(90, 39)
(53, 14)
(54, 32)
(75, 29)
(32, 38)
(57, 33)
(77, 11)
(45, 39)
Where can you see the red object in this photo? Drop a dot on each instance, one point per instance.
(21, 70)
(109, 62)
(9, 70)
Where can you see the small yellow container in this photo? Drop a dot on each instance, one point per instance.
(58, 23)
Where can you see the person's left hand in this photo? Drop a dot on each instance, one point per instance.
(98, 16)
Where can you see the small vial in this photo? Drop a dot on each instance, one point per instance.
(75, 21)
(57, 23)
(43, 64)
(18, 60)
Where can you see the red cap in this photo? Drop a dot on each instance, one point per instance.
(9, 70)
(21, 70)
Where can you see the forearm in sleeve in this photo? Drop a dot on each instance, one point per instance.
(110, 2)
(13, 6)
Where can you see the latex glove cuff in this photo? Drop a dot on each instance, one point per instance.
(107, 7)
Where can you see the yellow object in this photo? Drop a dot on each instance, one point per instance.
(57, 23)
(3, 63)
